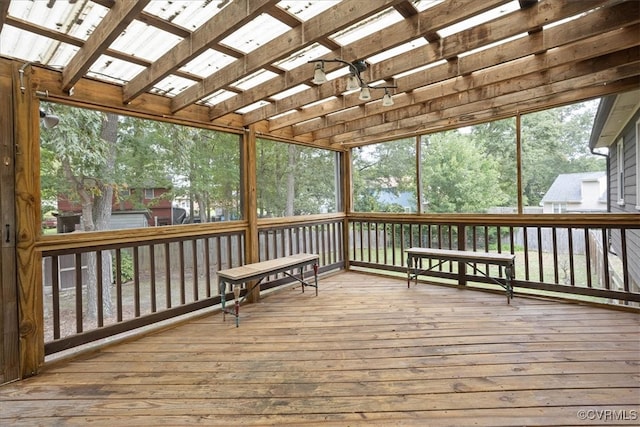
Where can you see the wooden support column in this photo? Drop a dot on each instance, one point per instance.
(9, 336)
(252, 247)
(27, 191)
(347, 201)
(519, 162)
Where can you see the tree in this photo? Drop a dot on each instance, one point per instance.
(458, 176)
(84, 148)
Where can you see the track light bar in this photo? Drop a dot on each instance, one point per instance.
(354, 81)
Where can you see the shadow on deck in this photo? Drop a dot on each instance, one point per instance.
(365, 351)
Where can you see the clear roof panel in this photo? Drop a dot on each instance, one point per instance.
(290, 92)
(306, 10)
(368, 26)
(304, 55)
(172, 85)
(256, 33)
(480, 19)
(398, 50)
(188, 14)
(207, 63)
(144, 41)
(254, 79)
(114, 70)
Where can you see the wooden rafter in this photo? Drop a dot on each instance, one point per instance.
(320, 26)
(445, 79)
(219, 26)
(116, 20)
(454, 45)
(434, 18)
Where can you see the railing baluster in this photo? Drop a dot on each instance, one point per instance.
(587, 256)
(525, 240)
(78, 295)
(554, 240)
(136, 282)
(152, 277)
(167, 274)
(55, 295)
(207, 264)
(194, 256)
(572, 273)
(119, 285)
(99, 290)
(183, 290)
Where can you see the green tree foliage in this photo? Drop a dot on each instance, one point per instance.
(458, 176)
(295, 180)
(382, 174)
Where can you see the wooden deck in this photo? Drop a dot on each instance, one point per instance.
(365, 351)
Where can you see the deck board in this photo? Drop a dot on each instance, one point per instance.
(365, 351)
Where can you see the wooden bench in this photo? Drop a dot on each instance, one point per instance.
(470, 258)
(258, 271)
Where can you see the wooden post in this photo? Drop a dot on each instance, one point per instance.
(462, 244)
(519, 163)
(27, 184)
(347, 201)
(252, 247)
(9, 336)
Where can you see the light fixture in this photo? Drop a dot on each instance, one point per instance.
(387, 100)
(49, 120)
(354, 81)
(319, 76)
(365, 94)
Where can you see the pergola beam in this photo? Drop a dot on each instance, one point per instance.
(450, 47)
(397, 34)
(116, 20)
(334, 19)
(229, 19)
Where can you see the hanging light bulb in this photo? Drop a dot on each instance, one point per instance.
(352, 82)
(365, 94)
(319, 76)
(387, 100)
(49, 120)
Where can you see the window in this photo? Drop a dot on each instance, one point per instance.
(559, 207)
(620, 160)
(148, 193)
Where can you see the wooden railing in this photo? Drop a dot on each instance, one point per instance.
(97, 285)
(101, 284)
(554, 253)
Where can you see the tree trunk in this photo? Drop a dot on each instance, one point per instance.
(291, 180)
(101, 217)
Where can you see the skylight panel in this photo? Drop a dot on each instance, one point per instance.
(172, 85)
(302, 56)
(256, 33)
(422, 5)
(144, 41)
(219, 96)
(187, 14)
(114, 70)
(290, 91)
(480, 19)
(306, 10)
(207, 63)
(254, 79)
(77, 19)
(252, 107)
(368, 26)
(398, 50)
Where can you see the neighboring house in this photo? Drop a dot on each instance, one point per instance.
(617, 128)
(157, 210)
(405, 199)
(576, 192)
